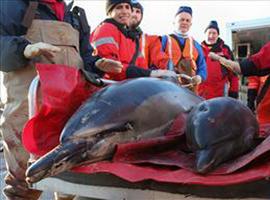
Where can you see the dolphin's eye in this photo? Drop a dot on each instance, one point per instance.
(203, 108)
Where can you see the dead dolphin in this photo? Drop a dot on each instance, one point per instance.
(218, 130)
(122, 112)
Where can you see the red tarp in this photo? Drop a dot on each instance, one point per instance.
(164, 159)
(63, 90)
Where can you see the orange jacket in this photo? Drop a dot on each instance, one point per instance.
(113, 43)
(150, 49)
(256, 82)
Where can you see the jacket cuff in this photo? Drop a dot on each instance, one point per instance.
(233, 94)
(248, 68)
(21, 46)
(96, 70)
(135, 72)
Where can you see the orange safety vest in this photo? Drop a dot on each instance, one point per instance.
(183, 57)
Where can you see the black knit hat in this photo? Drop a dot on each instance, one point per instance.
(136, 4)
(110, 4)
(213, 24)
(186, 9)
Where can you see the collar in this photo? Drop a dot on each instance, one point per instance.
(122, 28)
(180, 34)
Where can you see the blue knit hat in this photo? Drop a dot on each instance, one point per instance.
(186, 9)
(136, 4)
(213, 24)
(110, 4)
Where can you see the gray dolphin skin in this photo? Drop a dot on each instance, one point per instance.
(127, 111)
(218, 130)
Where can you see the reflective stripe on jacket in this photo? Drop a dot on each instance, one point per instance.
(150, 49)
(256, 82)
(112, 43)
(190, 50)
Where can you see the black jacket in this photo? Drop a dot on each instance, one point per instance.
(11, 29)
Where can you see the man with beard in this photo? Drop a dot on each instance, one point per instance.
(149, 44)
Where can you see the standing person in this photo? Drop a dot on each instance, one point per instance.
(220, 80)
(154, 58)
(255, 84)
(113, 39)
(184, 53)
(256, 65)
(44, 31)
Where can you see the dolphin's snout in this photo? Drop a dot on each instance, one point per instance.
(62, 158)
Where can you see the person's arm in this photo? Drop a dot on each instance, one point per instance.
(232, 77)
(258, 64)
(16, 51)
(12, 53)
(12, 43)
(157, 57)
(105, 39)
(200, 62)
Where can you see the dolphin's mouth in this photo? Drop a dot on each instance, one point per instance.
(60, 159)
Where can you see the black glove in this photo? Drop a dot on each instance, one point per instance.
(92, 78)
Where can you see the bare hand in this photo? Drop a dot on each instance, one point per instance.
(229, 64)
(109, 65)
(40, 48)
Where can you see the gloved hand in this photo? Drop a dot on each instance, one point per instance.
(40, 48)
(161, 73)
(231, 65)
(196, 80)
(109, 65)
(92, 78)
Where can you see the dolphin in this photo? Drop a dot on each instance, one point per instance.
(218, 130)
(127, 111)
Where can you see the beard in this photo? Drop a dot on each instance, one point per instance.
(134, 23)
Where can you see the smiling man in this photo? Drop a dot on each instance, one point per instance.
(114, 40)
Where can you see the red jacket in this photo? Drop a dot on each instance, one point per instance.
(219, 80)
(259, 64)
(112, 41)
